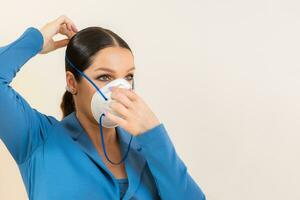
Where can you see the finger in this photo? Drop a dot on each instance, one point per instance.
(119, 109)
(129, 93)
(65, 20)
(74, 28)
(64, 31)
(61, 43)
(123, 99)
(122, 122)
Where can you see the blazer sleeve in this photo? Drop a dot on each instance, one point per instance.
(22, 128)
(170, 173)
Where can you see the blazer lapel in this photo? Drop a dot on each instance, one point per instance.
(82, 139)
(134, 163)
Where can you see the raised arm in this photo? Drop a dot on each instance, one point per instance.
(22, 128)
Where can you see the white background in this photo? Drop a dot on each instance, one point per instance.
(222, 75)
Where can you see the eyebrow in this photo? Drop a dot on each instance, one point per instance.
(110, 70)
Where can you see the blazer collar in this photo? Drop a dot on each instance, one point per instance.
(134, 162)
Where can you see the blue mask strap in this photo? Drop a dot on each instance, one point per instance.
(100, 120)
(71, 64)
(104, 149)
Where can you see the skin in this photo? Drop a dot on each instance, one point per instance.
(137, 117)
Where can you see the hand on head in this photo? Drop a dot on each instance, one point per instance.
(62, 25)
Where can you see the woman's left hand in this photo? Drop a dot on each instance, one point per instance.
(137, 117)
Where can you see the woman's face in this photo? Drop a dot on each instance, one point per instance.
(108, 64)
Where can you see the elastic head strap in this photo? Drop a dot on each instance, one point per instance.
(95, 86)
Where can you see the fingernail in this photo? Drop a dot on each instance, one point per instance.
(75, 28)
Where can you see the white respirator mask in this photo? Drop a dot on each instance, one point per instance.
(99, 105)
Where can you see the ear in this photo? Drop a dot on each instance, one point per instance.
(71, 82)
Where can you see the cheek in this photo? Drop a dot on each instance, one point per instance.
(85, 95)
(99, 84)
(88, 95)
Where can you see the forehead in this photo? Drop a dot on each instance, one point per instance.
(115, 58)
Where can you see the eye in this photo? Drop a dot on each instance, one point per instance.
(130, 77)
(104, 77)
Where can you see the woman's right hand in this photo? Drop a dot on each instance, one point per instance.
(62, 25)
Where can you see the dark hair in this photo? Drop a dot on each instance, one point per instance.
(81, 50)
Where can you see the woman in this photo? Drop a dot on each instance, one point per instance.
(67, 159)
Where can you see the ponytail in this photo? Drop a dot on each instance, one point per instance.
(67, 105)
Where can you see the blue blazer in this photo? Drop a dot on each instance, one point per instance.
(58, 161)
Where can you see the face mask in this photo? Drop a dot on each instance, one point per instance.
(100, 103)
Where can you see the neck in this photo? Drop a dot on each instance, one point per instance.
(91, 127)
